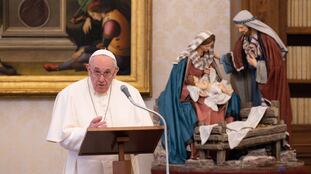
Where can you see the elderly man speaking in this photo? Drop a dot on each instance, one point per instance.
(94, 102)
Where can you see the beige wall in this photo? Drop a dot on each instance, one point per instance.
(25, 120)
(23, 149)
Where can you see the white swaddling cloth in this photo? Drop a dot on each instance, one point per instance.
(205, 132)
(238, 130)
(214, 96)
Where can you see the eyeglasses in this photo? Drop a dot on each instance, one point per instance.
(105, 74)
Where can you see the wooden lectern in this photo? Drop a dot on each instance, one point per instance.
(121, 140)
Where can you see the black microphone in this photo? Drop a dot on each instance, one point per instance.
(128, 95)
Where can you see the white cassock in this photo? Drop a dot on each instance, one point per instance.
(73, 111)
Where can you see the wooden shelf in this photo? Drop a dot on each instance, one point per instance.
(299, 81)
(298, 30)
(299, 39)
(300, 90)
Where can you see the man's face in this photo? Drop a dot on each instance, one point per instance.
(102, 70)
(242, 29)
(207, 47)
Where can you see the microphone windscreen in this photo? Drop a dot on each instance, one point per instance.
(125, 91)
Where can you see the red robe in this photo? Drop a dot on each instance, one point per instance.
(276, 87)
(204, 113)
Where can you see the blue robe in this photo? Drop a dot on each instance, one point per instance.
(180, 116)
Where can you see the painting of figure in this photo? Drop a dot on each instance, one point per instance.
(98, 24)
(45, 44)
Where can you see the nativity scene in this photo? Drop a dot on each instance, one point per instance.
(210, 118)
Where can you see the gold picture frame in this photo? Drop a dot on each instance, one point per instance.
(140, 76)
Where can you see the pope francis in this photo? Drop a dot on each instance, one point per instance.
(95, 101)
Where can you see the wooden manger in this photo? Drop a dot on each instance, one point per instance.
(269, 131)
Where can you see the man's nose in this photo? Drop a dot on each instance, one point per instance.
(102, 78)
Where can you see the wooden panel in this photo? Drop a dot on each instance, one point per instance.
(302, 142)
(235, 7)
(265, 11)
(299, 134)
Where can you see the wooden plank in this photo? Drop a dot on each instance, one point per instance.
(260, 131)
(215, 130)
(221, 157)
(269, 121)
(277, 150)
(270, 112)
(244, 143)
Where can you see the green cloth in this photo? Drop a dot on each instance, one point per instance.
(180, 116)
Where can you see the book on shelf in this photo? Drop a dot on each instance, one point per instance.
(299, 13)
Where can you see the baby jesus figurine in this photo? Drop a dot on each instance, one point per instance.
(215, 93)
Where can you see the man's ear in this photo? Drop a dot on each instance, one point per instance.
(87, 66)
(116, 71)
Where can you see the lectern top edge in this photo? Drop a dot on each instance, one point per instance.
(126, 128)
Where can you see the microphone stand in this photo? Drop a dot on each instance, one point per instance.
(165, 129)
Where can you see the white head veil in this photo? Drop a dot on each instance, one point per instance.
(246, 18)
(195, 43)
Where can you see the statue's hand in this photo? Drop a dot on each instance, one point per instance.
(252, 60)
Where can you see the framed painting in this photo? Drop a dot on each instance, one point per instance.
(26, 45)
